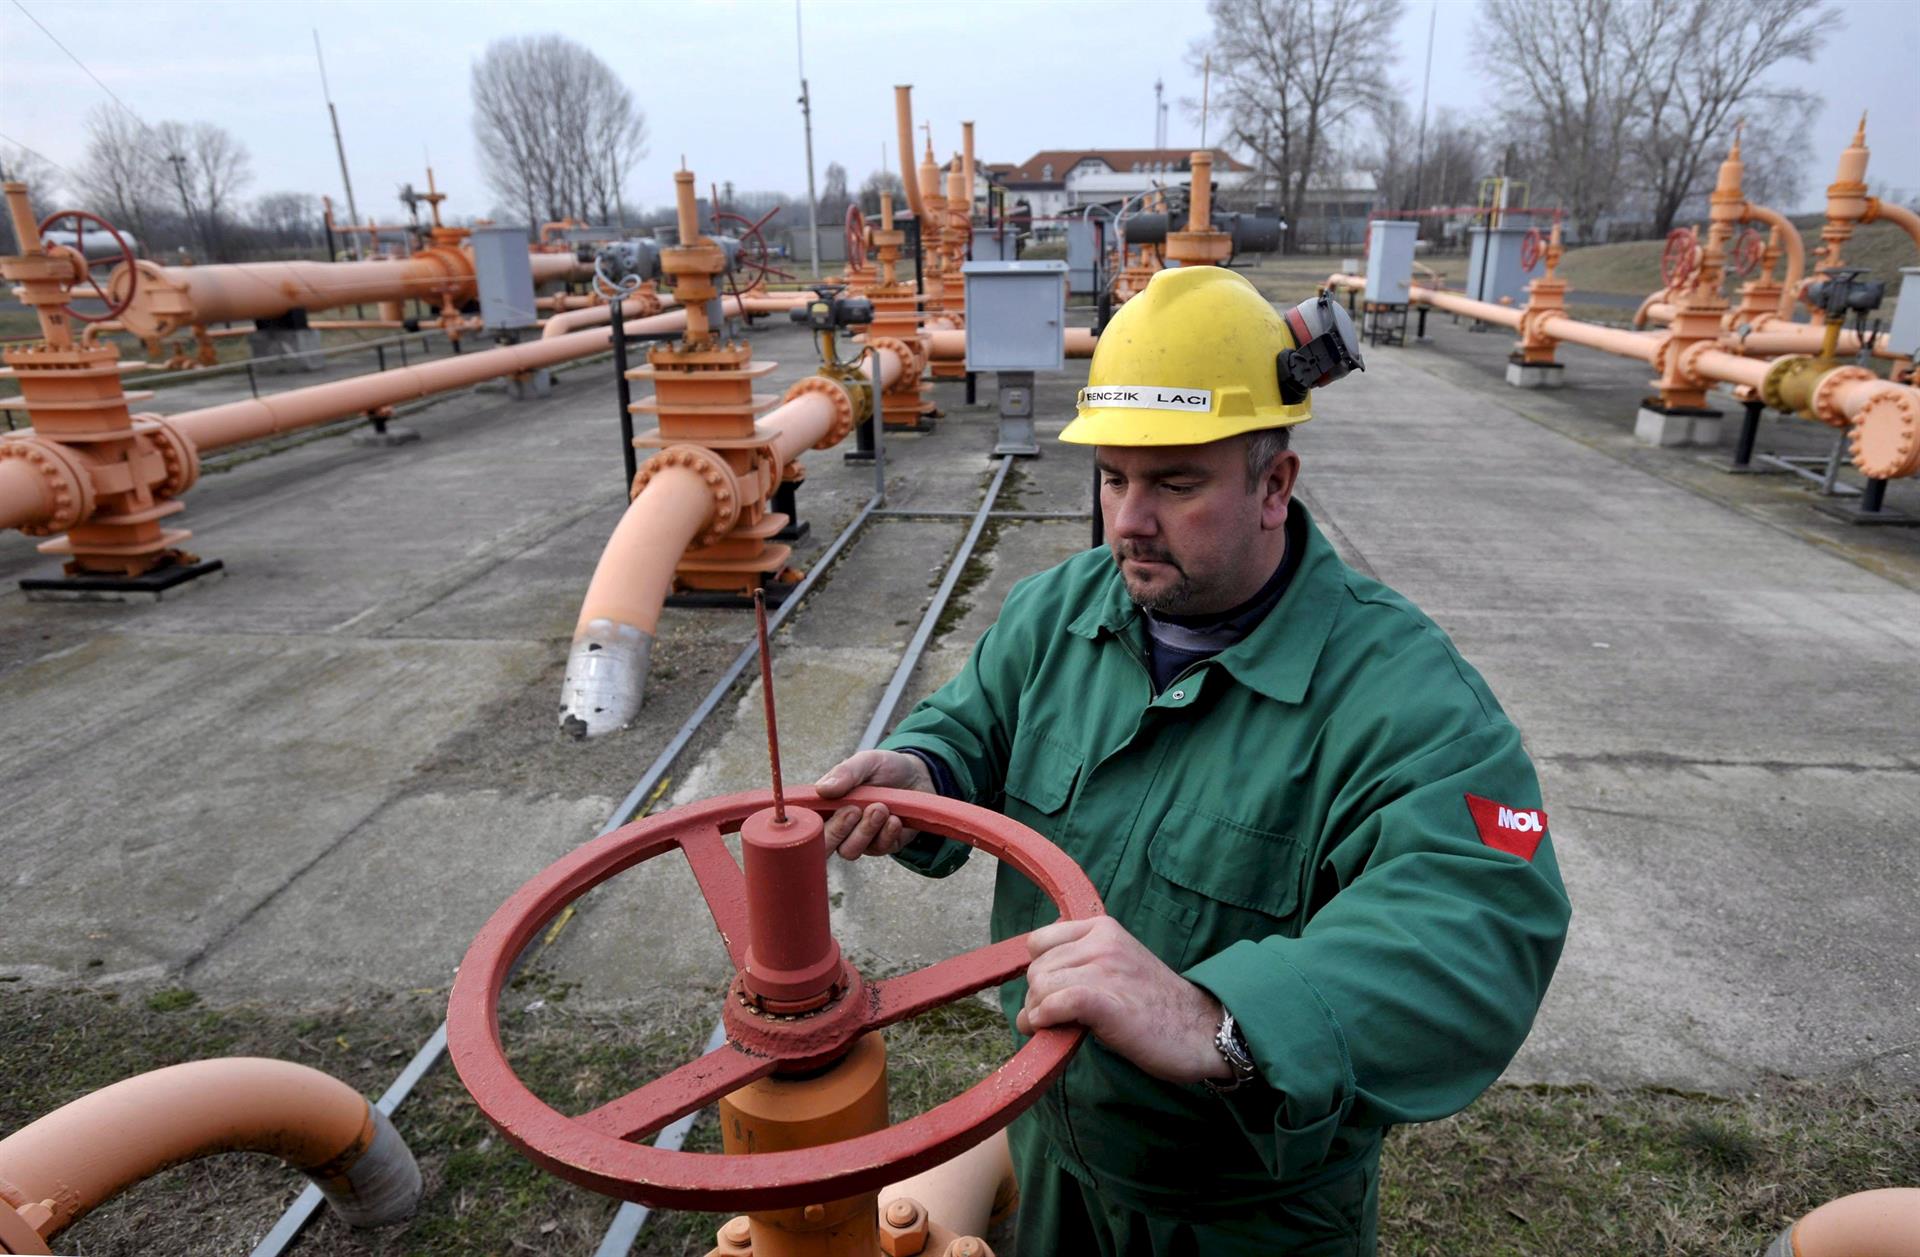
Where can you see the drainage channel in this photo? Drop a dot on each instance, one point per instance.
(630, 1218)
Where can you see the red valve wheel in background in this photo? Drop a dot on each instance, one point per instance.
(124, 253)
(1748, 253)
(597, 1149)
(856, 237)
(755, 260)
(1532, 249)
(1680, 258)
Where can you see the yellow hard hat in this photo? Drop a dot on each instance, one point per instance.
(1200, 356)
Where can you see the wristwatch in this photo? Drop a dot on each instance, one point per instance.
(1232, 1045)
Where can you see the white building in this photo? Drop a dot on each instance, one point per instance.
(1057, 181)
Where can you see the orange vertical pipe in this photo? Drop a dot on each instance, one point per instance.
(903, 118)
(966, 163)
(1200, 196)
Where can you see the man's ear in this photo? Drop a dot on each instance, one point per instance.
(1276, 489)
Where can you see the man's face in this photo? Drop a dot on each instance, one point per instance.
(1188, 535)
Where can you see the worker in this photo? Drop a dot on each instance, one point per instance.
(1332, 900)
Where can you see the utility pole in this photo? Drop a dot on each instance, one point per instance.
(806, 118)
(1206, 88)
(186, 204)
(338, 146)
(1420, 162)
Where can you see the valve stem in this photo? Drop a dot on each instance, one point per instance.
(766, 691)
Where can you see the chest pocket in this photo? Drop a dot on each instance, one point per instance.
(1041, 774)
(1218, 880)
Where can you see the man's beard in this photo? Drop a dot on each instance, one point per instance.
(1169, 600)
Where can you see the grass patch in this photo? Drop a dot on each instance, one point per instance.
(172, 1000)
(1545, 1171)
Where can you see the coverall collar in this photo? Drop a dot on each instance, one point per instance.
(1277, 658)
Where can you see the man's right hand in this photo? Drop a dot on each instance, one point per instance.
(854, 832)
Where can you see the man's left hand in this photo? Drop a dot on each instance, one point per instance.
(1095, 973)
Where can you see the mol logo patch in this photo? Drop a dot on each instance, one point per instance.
(1516, 830)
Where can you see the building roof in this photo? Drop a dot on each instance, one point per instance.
(1119, 160)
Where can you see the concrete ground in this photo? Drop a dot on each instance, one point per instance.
(318, 776)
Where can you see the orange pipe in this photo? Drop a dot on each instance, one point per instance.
(1796, 254)
(903, 118)
(1612, 340)
(87, 1152)
(1200, 192)
(24, 495)
(236, 423)
(1882, 1223)
(966, 164)
(172, 297)
(608, 663)
(1899, 215)
(573, 320)
(950, 346)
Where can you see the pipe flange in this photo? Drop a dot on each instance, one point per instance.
(1689, 362)
(713, 470)
(1886, 435)
(1772, 389)
(843, 410)
(177, 451)
(911, 363)
(68, 485)
(1824, 407)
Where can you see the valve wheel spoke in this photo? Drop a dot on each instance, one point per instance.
(723, 885)
(688, 1089)
(80, 219)
(897, 999)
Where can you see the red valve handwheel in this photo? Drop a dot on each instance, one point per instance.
(1679, 258)
(755, 260)
(81, 218)
(596, 1149)
(856, 237)
(1749, 253)
(1532, 249)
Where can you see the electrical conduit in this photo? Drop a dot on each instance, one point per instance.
(56, 1170)
(676, 504)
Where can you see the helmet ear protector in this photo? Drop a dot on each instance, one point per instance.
(1325, 348)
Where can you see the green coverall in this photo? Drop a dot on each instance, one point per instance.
(1331, 826)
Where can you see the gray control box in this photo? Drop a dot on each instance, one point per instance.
(1390, 260)
(1904, 335)
(504, 274)
(1016, 315)
(1493, 265)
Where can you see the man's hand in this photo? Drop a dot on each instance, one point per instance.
(1097, 974)
(876, 831)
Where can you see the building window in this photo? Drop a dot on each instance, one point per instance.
(1046, 172)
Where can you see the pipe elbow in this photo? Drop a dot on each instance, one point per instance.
(84, 1154)
(1883, 1223)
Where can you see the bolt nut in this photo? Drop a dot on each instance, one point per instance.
(735, 1236)
(968, 1246)
(813, 1213)
(903, 1228)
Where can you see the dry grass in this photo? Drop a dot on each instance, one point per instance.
(1525, 1171)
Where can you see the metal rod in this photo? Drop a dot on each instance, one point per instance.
(890, 701)
(766, 694)
(1749, 433)
(907, 512)
(1874, 497)
(624, 391)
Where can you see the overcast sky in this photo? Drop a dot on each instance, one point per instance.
(718, 80)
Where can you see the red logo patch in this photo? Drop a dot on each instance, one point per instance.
(1513, 829)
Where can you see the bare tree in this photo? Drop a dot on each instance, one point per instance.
(43, 180)
(834, 197)
(558, 132)
(1708, 74)
(287, 218)
(205, 166)
(1576, 71)
(1289, 74)
(120, 173)
(876, 183)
